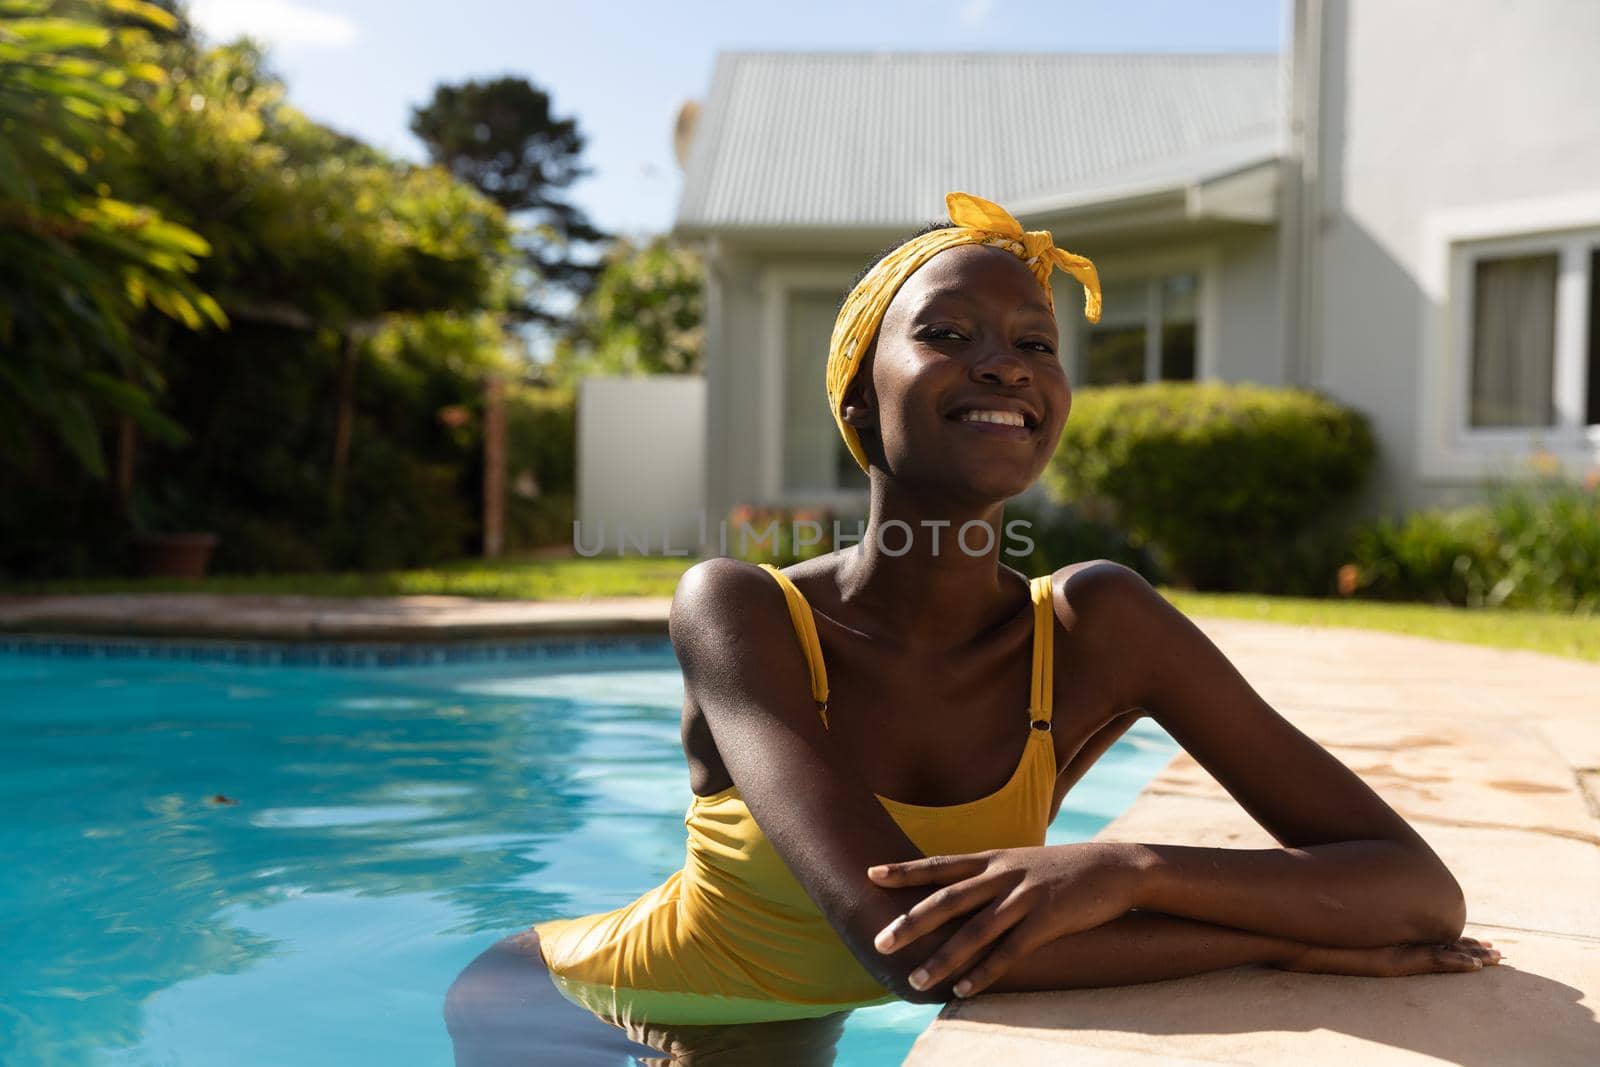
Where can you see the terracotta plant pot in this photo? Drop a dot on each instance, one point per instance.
(174, 555)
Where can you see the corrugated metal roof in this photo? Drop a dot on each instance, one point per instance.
(852, 139)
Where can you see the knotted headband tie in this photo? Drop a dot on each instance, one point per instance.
(977, 221)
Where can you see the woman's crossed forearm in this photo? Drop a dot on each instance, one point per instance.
(1147, 946)
(1352, 894)
(1141, 946)
(995, 909)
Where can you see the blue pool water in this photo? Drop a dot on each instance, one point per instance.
(390, 823)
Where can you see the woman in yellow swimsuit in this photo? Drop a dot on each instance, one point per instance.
(878, 738)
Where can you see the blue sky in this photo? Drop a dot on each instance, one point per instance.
(623, 68)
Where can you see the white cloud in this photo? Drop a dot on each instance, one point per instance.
(285, 22)
(976, 12)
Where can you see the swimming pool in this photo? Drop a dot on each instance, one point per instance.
(214, 862)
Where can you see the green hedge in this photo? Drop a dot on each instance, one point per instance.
(1064, 535)
(541, 466)
(1532, 545)
(1230, 486)
(758, 534)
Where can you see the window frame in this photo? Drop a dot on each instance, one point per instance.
(777, 283)
(1568, 378)
(1450, 448)
(1203, 263)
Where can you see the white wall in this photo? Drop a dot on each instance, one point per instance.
(1434, 110)
(1249, 332)
(641, 464)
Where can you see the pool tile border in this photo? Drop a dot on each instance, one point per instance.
(330, 654)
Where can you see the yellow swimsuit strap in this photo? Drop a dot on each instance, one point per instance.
(805, 625)
(1044, 660)
(1041, 685)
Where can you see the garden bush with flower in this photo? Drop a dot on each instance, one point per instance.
(778, 535)
(1534, 543)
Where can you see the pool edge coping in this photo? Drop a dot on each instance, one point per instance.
(318, 620)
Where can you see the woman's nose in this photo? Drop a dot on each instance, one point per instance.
(999, 366)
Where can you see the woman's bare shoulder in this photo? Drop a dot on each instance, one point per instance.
(1101, 590)
(714, 580)
(725, 609)
(719, 585)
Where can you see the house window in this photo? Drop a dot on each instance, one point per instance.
(1146, 332)
(1514, 340)
(1533, 342)
(1592, 408)
(815, 459)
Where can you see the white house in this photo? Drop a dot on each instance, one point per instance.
(1403, 210)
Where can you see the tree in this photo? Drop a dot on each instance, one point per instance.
(308, 224)
(642, 317)
(314, 230)
(142, 175)
(500, 137)
(78, 264)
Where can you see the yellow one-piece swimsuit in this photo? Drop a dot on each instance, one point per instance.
(732, 937)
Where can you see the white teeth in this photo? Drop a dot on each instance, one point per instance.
(1004, 418)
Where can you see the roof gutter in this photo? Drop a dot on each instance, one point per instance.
(1248, 194)
(1240, 193)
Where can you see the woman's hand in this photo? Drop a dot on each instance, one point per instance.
(1020, 898)
(1394, 961)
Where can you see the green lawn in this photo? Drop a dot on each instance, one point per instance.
(570, 579)
(1577, 636)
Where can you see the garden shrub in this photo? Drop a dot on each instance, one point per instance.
(1063, 535)
(1532, 545)
(56, 518)
(401, 511)
(257, 470)
(541, 466)
(541, 522)
(772, 535)
(1229, 486)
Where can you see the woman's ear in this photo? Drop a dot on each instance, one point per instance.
(859, 405)
(857, 415)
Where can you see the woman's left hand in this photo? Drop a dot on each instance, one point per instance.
(1021, 898)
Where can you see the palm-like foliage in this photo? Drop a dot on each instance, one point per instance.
(77, 264)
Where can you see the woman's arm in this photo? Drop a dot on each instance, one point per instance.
(1346, 893)
(1140, 947)
(1148, 947)
(1351, 873)
(744, 668)
(1038, 920)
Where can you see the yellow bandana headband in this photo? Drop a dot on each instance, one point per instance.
(977, 221)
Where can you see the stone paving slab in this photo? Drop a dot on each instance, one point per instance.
(1484, 773)
(1576, 741)
(1537, 1006)
(1513, 878)
(1493, 757)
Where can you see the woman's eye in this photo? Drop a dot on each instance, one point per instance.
(1043, 346)
(937, 331)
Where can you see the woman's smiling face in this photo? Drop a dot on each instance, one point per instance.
(968, 391)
